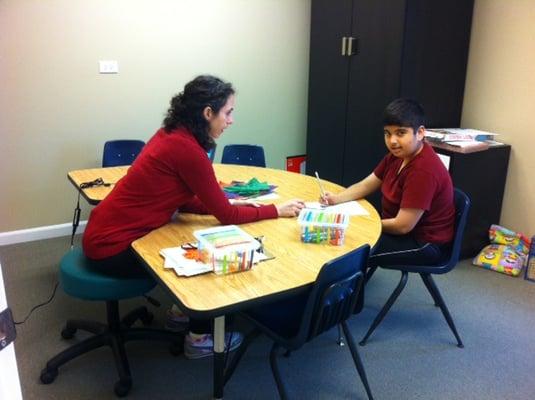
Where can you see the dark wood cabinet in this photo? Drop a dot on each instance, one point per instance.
(364, 54)
(481, 175)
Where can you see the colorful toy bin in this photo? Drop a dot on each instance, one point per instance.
(322, 226)
(226, 248)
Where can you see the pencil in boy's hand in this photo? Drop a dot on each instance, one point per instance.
(320, 185)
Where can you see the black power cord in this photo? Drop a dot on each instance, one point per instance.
(77, 210)
(39, 305)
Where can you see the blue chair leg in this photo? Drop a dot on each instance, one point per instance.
(430, 283)
(356, 359)
(370, 273)
(340, 340)
(430, 289)
(386, 307)
(276, 373)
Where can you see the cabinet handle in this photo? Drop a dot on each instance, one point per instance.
(344, 41)
(350, 51)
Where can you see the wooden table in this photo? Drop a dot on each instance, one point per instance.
(295, 267)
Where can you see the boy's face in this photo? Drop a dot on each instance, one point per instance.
(402, 142)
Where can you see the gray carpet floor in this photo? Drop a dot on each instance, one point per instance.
(411, 355)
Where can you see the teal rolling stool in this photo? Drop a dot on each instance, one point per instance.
(81, 282)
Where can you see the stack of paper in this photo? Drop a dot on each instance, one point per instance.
(458, 136)
(349, 207)
(174, 258)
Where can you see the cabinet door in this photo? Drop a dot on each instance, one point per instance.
(327, 97)
(435, 57)
(373, 82)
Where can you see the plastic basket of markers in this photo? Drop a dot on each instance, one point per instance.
(226, 249)
(322, 226)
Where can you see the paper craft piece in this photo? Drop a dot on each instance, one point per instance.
(246, 190)
(174, 258)
(348, 208)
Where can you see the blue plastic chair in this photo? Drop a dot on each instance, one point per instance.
(79, 281)
(294, 321)
(462, 206)
(121, 152)
(244, 154)
(211, 154)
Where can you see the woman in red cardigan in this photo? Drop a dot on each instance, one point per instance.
(173, 173)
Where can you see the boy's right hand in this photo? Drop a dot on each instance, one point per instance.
(328, 199)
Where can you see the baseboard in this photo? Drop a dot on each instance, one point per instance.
(42, 232)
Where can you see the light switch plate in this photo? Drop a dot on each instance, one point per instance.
(108, 67)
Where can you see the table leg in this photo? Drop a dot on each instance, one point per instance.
(219, 356)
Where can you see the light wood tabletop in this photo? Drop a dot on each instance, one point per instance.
(296, 264)
(109, 176)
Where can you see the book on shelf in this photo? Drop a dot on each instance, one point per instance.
(460, 146)
(448, 135)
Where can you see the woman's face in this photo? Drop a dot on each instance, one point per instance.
(217, 123)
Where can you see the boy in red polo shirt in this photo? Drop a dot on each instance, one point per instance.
(417, 193)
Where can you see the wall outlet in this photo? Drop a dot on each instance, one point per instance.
(108, 67)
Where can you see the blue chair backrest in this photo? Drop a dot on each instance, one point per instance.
(244, 154)
(121, 152)
(335, 293)
(462, 207)
(211, 154)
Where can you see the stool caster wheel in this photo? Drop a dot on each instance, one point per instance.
(122, 387)
(146, 319)
(68, 332)
(48, 375)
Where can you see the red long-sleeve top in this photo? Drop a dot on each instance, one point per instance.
(172, 173)
(424, 183)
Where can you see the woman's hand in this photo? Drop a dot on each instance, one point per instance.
(290, 208)
(329, 199)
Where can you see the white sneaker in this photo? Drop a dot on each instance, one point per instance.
(204, 346)
(176, 319)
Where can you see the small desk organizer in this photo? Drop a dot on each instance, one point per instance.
(226, 248)
(322, 226)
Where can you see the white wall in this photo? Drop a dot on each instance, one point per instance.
(56, 110)
(500, 97)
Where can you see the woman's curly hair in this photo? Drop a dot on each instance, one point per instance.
(186, 108)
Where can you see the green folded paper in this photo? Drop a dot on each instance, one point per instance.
(251, 188)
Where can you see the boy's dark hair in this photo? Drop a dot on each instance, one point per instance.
(404, 112)
(186, 108)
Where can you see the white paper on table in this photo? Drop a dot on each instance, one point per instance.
(349, 208)
(269, 196)
(174, 259)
